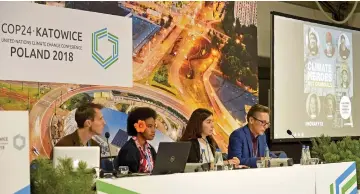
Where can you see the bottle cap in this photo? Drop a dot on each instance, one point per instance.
(218, 149)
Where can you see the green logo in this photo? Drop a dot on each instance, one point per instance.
(104, 61)
(345, 182)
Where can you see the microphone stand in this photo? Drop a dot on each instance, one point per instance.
(289, 132)
(114, 171)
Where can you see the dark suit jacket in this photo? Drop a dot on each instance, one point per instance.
(240, 146)
(73, 139)
(129, 155)
(194, 154)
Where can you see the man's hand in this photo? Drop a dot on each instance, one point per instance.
(234, 161)
(241, 166)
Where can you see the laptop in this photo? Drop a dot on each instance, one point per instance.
(171, 157)
(90, 155)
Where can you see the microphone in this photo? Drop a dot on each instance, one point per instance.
(289, 132)
(107, 136)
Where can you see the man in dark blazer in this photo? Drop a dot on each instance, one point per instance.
(248, 143)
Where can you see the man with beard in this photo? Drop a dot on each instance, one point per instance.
(330, 49)
(343, 50)
(312, 43)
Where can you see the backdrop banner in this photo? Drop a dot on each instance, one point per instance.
(184, 55)
(14, 152)
(50, 44)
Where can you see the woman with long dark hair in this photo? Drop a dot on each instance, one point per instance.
(199, 131)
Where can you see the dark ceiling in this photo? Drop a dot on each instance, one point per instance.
(339, 8)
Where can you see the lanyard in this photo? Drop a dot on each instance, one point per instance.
(207, 158)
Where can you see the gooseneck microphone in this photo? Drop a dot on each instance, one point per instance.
(105, 173)
(289, 132)
(107, 136)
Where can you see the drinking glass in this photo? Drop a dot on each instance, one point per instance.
(314, 161)
(123, 169)
(260, 163)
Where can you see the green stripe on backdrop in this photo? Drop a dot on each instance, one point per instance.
(113, 35)
(111, 63)
(111, 189)
(348, 185)
(332, 188)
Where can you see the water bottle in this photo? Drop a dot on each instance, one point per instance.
(267, 157)
(219, 163)
(308, 155)
(303, 156)
(267, 152)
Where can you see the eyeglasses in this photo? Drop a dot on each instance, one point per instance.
(263, 123)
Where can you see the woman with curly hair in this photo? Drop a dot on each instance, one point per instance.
(137, 153)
